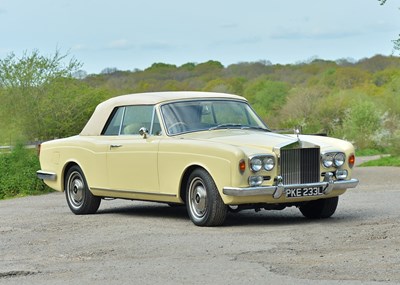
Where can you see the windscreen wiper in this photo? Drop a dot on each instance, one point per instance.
(231, 125)
(226, 126)
(256, 128)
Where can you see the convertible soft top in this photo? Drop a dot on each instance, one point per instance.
(103, 110)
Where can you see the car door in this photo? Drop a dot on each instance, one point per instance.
(132, 158)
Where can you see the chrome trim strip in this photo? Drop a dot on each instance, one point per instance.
(45, 175)
(270, 190)
(122, 120)
(133, 192)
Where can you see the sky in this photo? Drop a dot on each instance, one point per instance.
(133, 34)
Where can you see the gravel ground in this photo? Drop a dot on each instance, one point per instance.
(42, 242)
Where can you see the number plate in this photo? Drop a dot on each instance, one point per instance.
(303, 192)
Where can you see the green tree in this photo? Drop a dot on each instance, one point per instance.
(302, 109)
(67, 105)
(266, 96)
(350, 77)
(24, 82)
(362, 124)
(225, 85)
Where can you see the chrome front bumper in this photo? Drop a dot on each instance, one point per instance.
(277, 190)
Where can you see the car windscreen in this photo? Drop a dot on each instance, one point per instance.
(200, 115)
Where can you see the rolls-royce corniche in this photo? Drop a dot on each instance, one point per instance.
(208, 151)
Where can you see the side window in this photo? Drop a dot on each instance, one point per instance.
(113, 125)
(128, 120)
(135, 118)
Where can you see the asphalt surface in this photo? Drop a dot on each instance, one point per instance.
(42, 242)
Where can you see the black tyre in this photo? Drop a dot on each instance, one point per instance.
(204, 204)
(320, 209)
(80, 200)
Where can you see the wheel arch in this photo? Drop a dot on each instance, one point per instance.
(185, 179)
(67, 167)
(213, 169)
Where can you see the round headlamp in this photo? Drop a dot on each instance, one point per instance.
(269, 163)
(256, 164)
(339, 159)
(327, 160)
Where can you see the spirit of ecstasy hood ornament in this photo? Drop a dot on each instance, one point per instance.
(297, 131)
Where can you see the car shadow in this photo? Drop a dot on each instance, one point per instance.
(153, 210)
(244, 218)
(278, 219)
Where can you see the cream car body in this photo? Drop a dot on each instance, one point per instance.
(154, 157)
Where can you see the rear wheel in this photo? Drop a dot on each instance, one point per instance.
(80, 200)
(320, 209)
(204, 204)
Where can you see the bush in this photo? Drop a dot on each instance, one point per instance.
(18, 173)
(395, 144)
(362, 125)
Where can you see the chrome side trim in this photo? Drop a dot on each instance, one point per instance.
(278, 190)
(133, 192)
(45, 175)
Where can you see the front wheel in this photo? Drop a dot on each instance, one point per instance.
(204, 204)
(80, 200)
(320, 209)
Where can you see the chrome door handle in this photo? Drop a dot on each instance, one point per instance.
(115, 145)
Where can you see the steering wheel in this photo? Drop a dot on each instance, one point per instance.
(177, 126)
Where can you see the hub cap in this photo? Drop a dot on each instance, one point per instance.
(75, 188)
(198, 198)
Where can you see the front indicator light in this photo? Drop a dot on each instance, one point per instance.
(255, 180)
(242, 166)
(352, 160)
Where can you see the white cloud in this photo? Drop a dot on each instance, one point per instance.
(156, 46)
(119, 44)
(79, 47)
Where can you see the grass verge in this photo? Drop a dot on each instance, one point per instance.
(18, 173)
(383, 161)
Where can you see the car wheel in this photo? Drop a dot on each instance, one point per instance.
(80, 200)
(320, 209)
(204, 204)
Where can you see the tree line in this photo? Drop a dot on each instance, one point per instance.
(50, 97)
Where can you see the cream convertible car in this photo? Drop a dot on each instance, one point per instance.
(209, 151)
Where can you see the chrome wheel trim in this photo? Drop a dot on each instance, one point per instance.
(197, 198)
(76, 190)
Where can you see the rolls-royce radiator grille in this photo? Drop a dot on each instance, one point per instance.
(300, 166)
